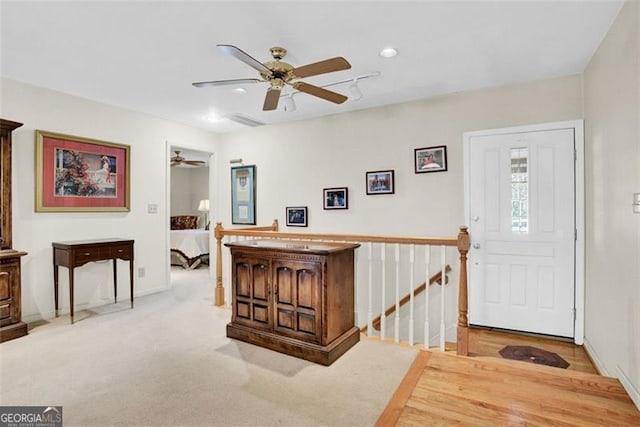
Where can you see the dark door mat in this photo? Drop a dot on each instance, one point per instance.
(533, 355)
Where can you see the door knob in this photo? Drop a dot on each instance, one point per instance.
(476, 246)
(475, 218)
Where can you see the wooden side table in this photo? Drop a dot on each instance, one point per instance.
(77, 253)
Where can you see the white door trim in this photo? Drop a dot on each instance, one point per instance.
(213, 213)
(578, 128)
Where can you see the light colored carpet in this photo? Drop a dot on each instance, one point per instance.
(168, 362)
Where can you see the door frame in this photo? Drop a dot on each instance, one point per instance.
(578, 128)
(168, 151)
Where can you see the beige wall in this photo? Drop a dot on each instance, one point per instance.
(295, 161)
(188, 187)
(33, 232)
(612, 146)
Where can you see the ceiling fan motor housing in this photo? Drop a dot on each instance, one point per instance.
(278, 52)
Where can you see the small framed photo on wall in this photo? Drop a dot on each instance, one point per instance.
(430, 159)
(380, 182)
(296, 216)
(335, 198)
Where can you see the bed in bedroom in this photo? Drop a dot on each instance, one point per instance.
(189, 245)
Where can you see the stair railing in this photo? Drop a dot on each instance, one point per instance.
(461, 242)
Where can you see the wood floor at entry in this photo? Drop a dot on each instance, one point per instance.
(445, 389)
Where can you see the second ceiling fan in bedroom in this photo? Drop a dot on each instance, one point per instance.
(278, 74)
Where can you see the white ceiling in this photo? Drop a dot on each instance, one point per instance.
(144, 55)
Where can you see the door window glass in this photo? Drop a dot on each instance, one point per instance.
(519, 190)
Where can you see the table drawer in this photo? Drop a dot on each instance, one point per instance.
(121, 251)
(91, 254)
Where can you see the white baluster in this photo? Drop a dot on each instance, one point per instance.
(370, 305)
(427, 261)
(396, 334)
(355, 287)
(442, 296)
(411, 285)
(383, 319)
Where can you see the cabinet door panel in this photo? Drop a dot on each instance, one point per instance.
(307, 283)
(243, 279)
(260, 281)
(285, 280)
(250, 283)
(306, 323)
(243, 310)
(297, 289)
(261, 314)
(285, 319)
(5, 285)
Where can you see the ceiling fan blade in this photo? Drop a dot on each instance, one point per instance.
(174, 163)
(226, 82)
(193, 162)
(320, 92)
(271, 100)
(327, 66)
(244, 57)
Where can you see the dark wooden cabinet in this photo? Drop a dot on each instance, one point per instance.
(294, 297)
(11, 324)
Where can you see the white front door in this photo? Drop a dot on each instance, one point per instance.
(521, 207)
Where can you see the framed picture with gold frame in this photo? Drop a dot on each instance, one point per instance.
(75, 174)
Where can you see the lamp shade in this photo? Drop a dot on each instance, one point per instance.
(204, 205)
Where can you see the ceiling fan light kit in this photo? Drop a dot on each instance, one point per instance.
(289, 104)
(278, 74)
(356, 94)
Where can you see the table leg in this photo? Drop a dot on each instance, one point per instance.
(115, 280)
(55, 286)
(131, 279)
(71, 293)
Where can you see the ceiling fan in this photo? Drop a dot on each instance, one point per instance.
(179, 160)
(278, 74)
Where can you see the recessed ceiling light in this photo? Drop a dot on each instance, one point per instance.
(213, 118)
(240, 90)
(388, 52)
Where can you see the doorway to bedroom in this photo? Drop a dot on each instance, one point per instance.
(189, 213)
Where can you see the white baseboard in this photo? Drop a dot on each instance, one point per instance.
(35, 317)
(633, 392)
(595, 359)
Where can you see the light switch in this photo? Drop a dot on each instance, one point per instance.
(152, 208)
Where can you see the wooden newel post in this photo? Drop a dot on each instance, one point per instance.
(462, 347)
(218, 296)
